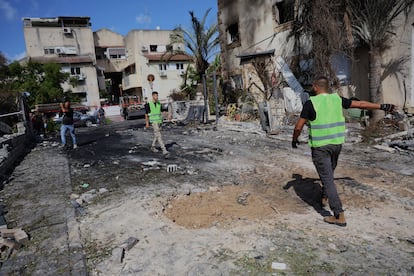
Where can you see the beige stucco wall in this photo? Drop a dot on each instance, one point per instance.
(38, 38)
(396, 66)
(134, 41)
(106, 38)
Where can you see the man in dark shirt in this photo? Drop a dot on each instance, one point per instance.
(67, 124)
(326, 125)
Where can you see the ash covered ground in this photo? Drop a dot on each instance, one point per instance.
(233, 202)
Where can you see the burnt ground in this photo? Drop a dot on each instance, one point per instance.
(231, 202)
(227, 201)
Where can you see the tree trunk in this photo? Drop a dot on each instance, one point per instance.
(375, 90)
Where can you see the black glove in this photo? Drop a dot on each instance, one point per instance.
(387, 107)
(295, 143)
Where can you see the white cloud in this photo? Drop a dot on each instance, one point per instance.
(8, 11)
(143, 19)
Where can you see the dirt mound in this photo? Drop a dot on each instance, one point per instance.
(229, 204)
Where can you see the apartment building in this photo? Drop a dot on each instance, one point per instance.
(67, 41)
(262, 34)
(150, 67)
(111, 59)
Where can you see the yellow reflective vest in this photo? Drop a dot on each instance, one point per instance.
(329, 126)
(155, 113)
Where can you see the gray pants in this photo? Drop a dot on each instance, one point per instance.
(157, 137)
(325, 159)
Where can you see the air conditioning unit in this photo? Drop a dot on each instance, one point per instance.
(67, 30)
(163, 73)
(181, 72)
(59, 50)
(81, 77)
(144, 49)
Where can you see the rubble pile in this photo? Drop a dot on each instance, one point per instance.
(11, 239)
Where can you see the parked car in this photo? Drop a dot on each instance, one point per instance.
(80, 119)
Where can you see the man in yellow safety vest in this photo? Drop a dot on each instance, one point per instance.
(153, 115)
(326, 125)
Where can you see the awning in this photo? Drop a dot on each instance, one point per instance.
(63, 59)
(245, 58)
(168, 57)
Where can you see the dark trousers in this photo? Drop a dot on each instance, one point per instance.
(325, 159)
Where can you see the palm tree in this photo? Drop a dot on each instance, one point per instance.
(200, 40)
(372, 22)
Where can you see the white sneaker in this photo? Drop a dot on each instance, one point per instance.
(154, 149)
(75, 146)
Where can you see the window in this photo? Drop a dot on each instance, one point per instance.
(284, 11)
(153, 48)
(116, 53)
(75, 71)
(49, 51)
(237, 82)
(233, 34)
(179, 66)
(130, 70)
(162, 67)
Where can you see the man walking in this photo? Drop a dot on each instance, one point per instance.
(326, 125)
(67, 124)
(153, 115)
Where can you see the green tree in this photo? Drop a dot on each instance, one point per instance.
(201, 40)
(42, 81)
(373, 22)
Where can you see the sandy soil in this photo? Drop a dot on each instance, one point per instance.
(234, 203)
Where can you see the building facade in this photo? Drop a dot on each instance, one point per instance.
(111, 59)
(69, 42)
(150, 67)
(250, 36)
(135, 64)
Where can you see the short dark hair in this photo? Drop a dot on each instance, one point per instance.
(154, 93)
(322, 82)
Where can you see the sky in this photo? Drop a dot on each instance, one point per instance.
(120, 16)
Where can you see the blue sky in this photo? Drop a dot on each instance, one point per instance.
(120, 16)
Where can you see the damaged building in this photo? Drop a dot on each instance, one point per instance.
(257, 51)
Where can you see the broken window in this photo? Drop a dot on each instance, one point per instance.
(236, 82)
(153, 48)
(233, 34)
(284, 11)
